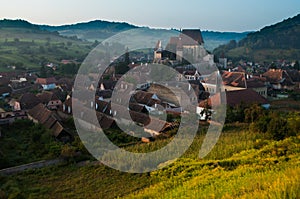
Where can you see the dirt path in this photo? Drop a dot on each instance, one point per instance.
(33, 165)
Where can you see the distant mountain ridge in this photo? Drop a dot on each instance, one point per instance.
(278, 41)
(96, 24)
(19, 23)
(101, 30)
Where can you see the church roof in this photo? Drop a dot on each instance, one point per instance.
(189, 36)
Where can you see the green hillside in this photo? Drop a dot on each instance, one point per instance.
(243, 164)
(100, 30)
(93, 30)
(278, 41)
(26, 46)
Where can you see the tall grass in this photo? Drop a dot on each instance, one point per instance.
(241, 165)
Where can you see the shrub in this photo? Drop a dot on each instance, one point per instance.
(68, 152)
(293, 124)
(278, 128)
(261, 125)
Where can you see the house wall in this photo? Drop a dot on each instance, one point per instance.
(54, 104)
(211, 88)
(10, 117)
(194, 53)
(179, 55)
(263, 91)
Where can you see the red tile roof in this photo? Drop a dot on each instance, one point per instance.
(47, 96)
(46, 81)
(236, 97)
(255, 83)
(275, 76)
(246, 96)
(29, 100)
(236, 79)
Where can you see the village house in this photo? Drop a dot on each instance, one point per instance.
(40, 114)
(14, 104)
(187, 74)
(239, 80)
(50, 100)
(295, 76)
(279, 79)
(28, 101)
(5, 91)
(66, 107)
(12, 116)
(47, 83)
(20, 83)
(65, 84)
(234, 98)
(258, 84)
(4, 80)
(189, 45)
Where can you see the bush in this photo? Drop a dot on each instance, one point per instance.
(294, 124)
(68, 152)
(278, 128)
(261, 125)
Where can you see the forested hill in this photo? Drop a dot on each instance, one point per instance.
(100, 30)
(93, 30)
(8, 23)
(278, 41)
(96, 24)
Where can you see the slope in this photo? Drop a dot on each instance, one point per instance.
(26, 46)
(278, 41)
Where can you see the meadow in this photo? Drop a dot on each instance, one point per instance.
(243, 164)
(29, 49)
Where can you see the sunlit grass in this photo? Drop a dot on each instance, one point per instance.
(241, 165)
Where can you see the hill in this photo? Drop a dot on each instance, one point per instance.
(278, 41)
(93, 30)
(243, 164)
(26, 46)
(100, 30)
(214, 39)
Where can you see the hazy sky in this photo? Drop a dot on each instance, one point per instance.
(220, 15)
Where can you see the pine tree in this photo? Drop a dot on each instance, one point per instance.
(127, 58)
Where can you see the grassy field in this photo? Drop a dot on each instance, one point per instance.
(263, 54)
(243, 164)
(28, 48)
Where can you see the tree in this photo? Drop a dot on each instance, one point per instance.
(70, 68)
(293, 124)
(278, 128)
(253, 113)
(69, 43)
(232, 44)
(127, 58)
(121, 68)
(43, 71)
(96, 43)
(261, 125)
(297, 65)
(16, 40)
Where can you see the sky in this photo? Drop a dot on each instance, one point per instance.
(216, 15)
